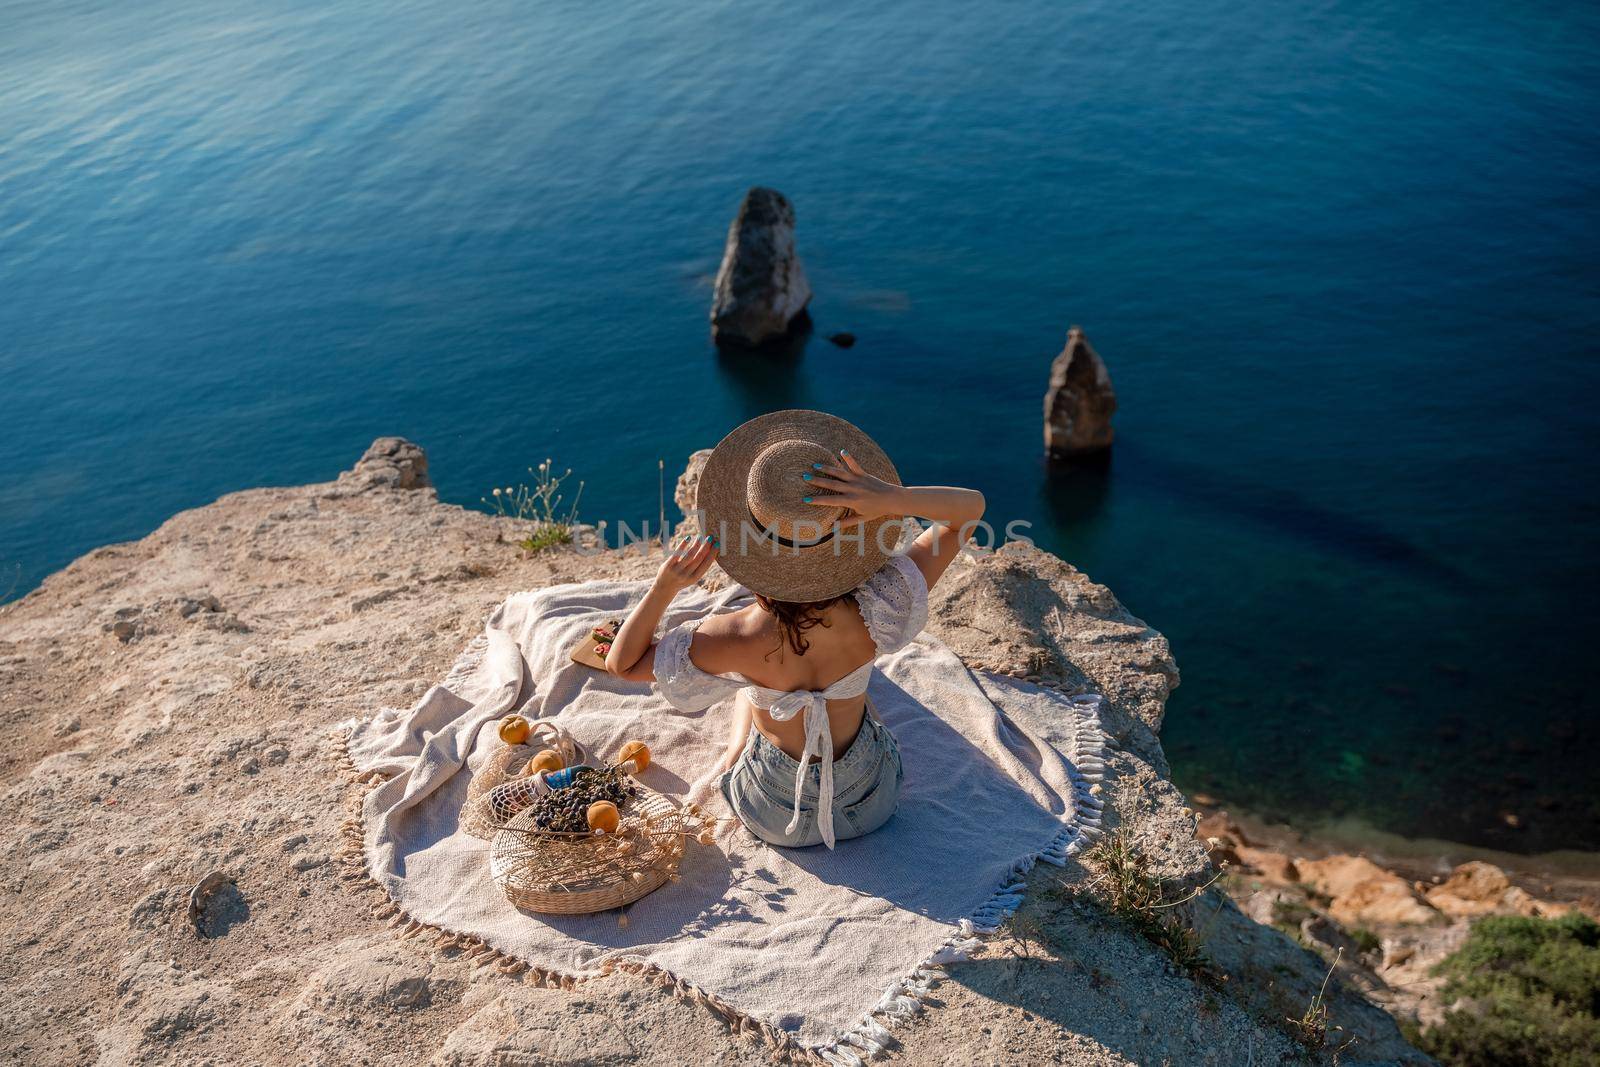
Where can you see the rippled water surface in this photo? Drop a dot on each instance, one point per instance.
(1339, 257)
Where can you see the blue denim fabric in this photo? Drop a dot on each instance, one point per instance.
(866, 788)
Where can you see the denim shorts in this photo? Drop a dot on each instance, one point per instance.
(866, 788)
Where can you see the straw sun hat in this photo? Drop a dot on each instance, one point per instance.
(752, 499)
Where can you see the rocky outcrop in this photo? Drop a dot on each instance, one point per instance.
(1354, 891)
(688, 485)
(136, 767)
(1062, 629)
(388, 463)
(1382, 932)
(1364, 894)
(1080, 401)
(761, 290)
(1478, 888)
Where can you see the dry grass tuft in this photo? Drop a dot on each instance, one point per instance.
(1134, 894)
(1311, 1029)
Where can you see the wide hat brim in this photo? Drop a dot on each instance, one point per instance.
(840, 560)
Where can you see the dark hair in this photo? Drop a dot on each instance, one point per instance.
(794, 619)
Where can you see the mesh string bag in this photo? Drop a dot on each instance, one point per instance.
(507, 763)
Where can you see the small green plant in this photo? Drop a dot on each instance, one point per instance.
(546, 537)
(1311, 1029)
(1367, 943)
(541, 504)
(1139, 898)
(1523, 991)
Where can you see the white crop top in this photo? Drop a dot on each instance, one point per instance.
(893, 605)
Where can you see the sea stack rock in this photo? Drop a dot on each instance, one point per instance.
(1080, 401)
(761, 291)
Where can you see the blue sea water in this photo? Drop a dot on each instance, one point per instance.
(1340, 258)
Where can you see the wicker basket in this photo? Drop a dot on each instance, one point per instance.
(507, 762)
(577, 874)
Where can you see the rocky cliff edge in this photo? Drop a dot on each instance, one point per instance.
(168, 705)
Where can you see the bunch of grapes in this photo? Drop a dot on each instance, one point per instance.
(567, 810)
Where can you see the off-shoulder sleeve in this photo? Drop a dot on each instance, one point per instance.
(687, 687)
(894, 604)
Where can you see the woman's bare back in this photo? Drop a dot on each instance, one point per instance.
(748, 643)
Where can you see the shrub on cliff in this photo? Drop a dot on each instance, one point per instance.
(1525, 991)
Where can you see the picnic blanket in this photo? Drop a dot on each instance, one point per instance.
(820, 949)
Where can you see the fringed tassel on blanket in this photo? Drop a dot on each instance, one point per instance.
(870, 1035)
(738, 1023)
(352, 859)
(1087, 758)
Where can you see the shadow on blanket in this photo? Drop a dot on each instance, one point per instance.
(889, 864)
(892, 862)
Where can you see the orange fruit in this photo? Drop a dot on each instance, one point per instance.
(514, 729)
(637, 751)
(548, 760)
(603, 815)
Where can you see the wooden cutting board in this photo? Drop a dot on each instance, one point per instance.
(584, 651)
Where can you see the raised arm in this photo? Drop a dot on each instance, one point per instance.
(630, 656)
(955, 512)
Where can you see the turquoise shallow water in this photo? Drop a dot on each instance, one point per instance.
(1339, 258)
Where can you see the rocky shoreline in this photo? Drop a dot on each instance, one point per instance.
(1566, 878)
(169, 705)
(1388, 923)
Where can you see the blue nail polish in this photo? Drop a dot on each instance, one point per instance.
(816, 466)
(842, 452)
(805, 500)
(807, 477)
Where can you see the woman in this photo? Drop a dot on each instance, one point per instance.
(803, 510)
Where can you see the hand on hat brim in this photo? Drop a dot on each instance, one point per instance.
(866, 496)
